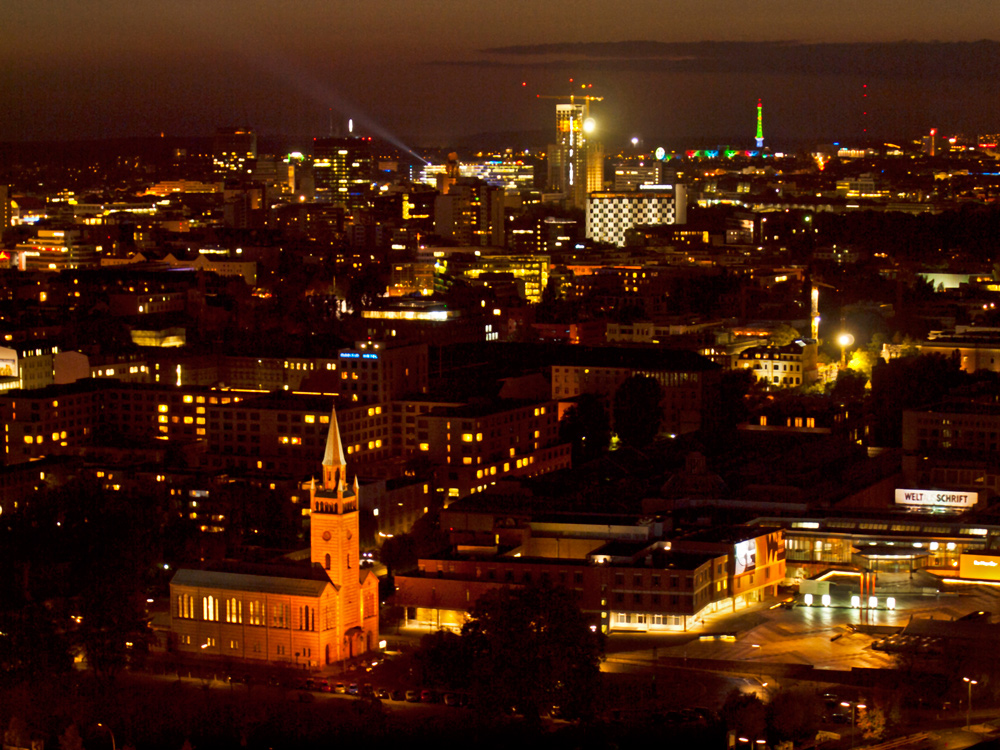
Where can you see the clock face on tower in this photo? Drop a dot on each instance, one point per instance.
(326, 536)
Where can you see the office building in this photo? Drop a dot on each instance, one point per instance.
(56, 250)
(234, 149)
(343, 169)
(576, 160)
(627, 574)
(471, 213)
(610, 215)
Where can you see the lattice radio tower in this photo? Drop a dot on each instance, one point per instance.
(760, 125)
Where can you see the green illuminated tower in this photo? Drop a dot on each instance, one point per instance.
(760, 125)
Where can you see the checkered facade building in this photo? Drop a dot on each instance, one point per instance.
(610, 215)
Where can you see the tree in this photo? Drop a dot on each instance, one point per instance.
(783, 335)
(71, 739)
(862, 361)
(871, 722)
(849, 386)
(444, 660)
(585, 425)
(794, 715)
(531, 648)
(638, 411)
(745, 714)
(17, 734)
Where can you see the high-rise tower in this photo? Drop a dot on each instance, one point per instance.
(760, 125)
(576, 160)
(344, 169)
(234, 149)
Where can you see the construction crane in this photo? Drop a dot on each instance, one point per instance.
(573, 98)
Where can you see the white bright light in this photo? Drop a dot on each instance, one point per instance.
(872, 602)
(589, 125)
(845, 340)
(890, 603)
(809, 599)
(635, 141)
(826, 600)
(855, 601)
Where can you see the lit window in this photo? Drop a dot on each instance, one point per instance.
(467, 437)
(425, 446)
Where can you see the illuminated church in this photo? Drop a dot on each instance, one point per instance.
(309, 616)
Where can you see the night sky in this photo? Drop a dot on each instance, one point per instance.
(434, 71)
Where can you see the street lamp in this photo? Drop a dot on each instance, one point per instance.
(968, 705)
(105, 726)
(845, 340)
(852, 706)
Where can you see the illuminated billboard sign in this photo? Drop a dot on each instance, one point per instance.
(937, 498)
(8, 363)
(980, 566)
(745, 556)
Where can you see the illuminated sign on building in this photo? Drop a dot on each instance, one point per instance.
(937, 498)
(745, 556)
(8, 363)
(979, 565)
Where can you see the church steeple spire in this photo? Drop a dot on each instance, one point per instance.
(334, 463)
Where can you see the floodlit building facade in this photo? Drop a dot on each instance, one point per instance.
(610, 215)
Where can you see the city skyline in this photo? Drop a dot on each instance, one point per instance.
(432, 78)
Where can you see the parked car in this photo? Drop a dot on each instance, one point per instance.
(413, 696)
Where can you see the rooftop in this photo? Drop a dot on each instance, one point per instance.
(291, 580)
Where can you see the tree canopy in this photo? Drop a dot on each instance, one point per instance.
(532, 648)
(638, 412)
(585, 425)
